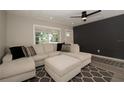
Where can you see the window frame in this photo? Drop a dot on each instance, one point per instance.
(46, 27)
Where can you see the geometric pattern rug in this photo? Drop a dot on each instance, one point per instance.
(90, 73)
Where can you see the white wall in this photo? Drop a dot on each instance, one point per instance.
(20, 29)
(70, 38)
(2, 32)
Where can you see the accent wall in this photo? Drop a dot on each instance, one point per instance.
(104, 37)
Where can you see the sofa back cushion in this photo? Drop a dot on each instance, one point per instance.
(55, 47)
(48, 48)
(39, 49)
(75, 48)
(17, 52)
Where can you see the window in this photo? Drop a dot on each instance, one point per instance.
(47, 36)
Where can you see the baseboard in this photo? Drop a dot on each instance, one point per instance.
(111, 58)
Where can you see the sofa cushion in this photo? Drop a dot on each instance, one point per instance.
(53, 53)
(38, 49)
(17, 67)
(7, 58)
(75, 48)
(48, 48)
(82, 56)
(17, 52)
(62, 64)
(39, 57)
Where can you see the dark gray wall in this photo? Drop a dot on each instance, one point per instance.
(106, 35)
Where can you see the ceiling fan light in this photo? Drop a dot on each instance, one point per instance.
(84, 18)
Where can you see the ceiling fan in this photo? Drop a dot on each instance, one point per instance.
(85, 15)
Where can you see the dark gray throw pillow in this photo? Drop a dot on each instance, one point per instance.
(59, 46)
(32, 51)
(25, 51)
(17, 52)
(66, 48)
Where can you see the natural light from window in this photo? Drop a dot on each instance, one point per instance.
(47, 35)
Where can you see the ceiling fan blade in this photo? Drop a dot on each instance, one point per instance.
(75, 17)
(94, 13)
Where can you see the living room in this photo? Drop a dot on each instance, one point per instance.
(37, 28)
(61, 46)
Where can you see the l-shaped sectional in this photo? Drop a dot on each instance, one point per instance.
(61, 66)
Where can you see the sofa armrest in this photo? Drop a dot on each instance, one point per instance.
(75, 48)
(16, 67)
(7, 58)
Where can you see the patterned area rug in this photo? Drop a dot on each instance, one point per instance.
(90, 73)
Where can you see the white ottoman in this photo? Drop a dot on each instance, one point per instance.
(62, 67)
(84, 57)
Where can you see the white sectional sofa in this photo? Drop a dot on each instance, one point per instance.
(48, 50)
(44, 51)
(24, 68)
(17, 70)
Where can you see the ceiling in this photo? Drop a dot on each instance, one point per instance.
(63, 16)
